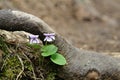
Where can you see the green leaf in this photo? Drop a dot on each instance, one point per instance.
(48, 50)
(35, 46)
(58, 59)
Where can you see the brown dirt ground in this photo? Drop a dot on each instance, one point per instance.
(92, 25)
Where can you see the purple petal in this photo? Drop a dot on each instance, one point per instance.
(52, 37)
(48, 39)
(38, 41)
(34, 41)
(49, 34)
(33, 36)
(45, 39)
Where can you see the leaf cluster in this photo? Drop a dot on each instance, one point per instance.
(55, 57)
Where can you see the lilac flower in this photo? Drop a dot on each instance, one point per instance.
(49, 37)
(34, 39)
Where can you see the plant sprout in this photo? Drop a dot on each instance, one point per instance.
(49, 50)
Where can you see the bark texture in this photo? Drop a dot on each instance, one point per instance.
(82, 65)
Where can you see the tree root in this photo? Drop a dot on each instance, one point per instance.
(82, 65)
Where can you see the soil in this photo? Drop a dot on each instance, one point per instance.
(87, 24)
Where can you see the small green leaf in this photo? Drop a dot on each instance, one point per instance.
(43, 48)
(35, 46)
(58, 59)
(48, 50)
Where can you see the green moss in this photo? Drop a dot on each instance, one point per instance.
(51, 76)
(11, 67)
(24, 62)
(3, 45)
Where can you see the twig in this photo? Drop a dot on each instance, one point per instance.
(4, 62)
(32, 67)
(22, 67)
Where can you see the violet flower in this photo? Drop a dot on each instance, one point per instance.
(49, 37)
(34, 39)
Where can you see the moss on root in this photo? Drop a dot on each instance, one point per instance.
(24, 62)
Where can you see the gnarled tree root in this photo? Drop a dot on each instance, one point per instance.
(82, 65)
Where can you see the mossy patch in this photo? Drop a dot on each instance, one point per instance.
(23, 62)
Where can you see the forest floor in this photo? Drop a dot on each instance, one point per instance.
(91, 24)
